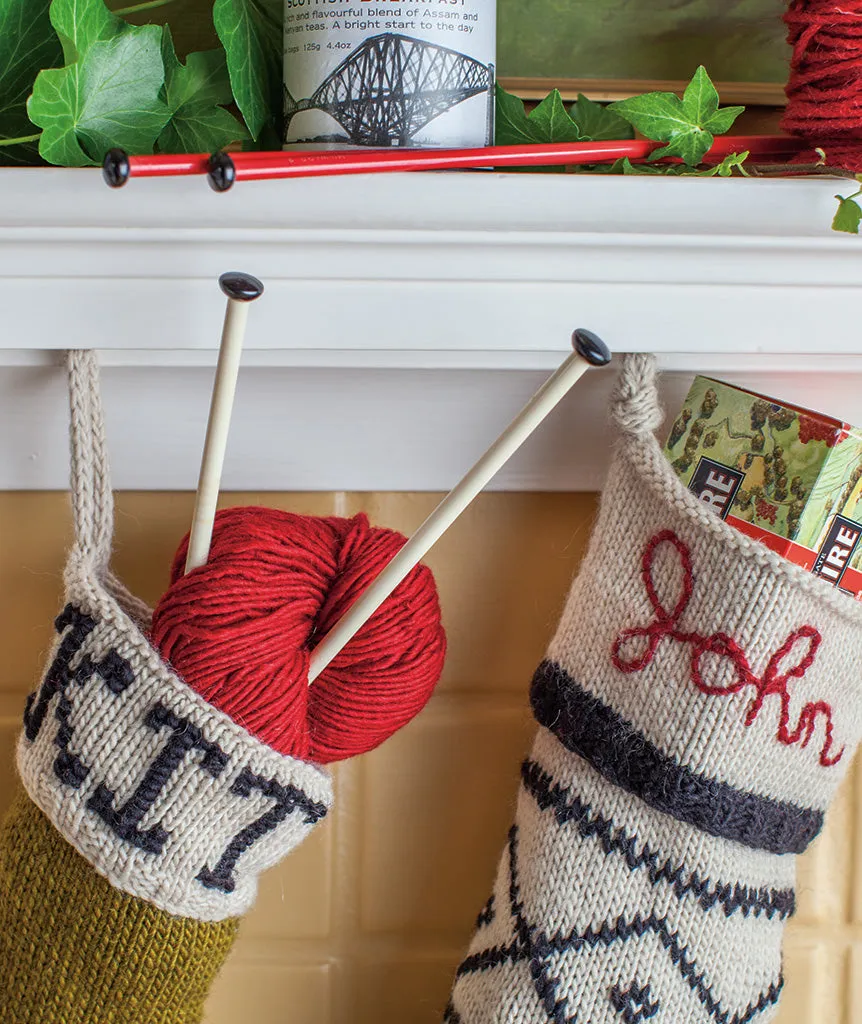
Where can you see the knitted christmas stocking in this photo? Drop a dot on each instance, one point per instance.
(698, 707)
(148, 813)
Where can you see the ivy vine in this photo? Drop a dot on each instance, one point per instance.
(76, 79)
(90, 80)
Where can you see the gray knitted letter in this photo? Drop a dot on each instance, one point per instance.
(698, 707)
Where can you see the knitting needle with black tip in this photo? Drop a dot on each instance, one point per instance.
(240, 289)
(589, 351)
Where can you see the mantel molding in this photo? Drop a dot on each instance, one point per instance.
(406, 316)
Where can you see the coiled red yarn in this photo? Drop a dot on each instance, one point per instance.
(240, 631)
(824, 93)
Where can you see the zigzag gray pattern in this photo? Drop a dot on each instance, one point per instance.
(568, 807)
(533, 945)
(672, 782)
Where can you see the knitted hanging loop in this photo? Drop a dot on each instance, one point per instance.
(635, 407)
(697, 708)
(824, 91)
(149, 813)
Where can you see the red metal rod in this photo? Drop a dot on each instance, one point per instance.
(290, 163)
(256, 166)
(169, 164)
(306, 163)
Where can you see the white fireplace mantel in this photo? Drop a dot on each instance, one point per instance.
(406, 317)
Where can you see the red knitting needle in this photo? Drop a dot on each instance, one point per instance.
(223, 169)
(118, 166)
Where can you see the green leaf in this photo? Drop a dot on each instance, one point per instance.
(81, 23)
(732, 162)
(658, 116)
(194, 93)
(848, 215)
(251, 33)
(548, 122)
(722, 120)
(700, 99)
(109, 97)
(688, 125)
(511, 125)
(598, 123)
(625, 166)
(28, 44)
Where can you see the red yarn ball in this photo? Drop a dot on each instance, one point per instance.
(240, 631)
(824, 93)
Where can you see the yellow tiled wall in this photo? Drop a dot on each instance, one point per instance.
(365, 922)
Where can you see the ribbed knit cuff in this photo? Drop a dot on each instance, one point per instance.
(74, 950)
(167, 797)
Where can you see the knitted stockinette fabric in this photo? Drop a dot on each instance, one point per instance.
(149, 813)
(698, 707)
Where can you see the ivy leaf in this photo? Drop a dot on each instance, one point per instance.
(511, 124)
(598, 123)
(625, 166)
(548, 122)
(732, 162)
(688, 125)
(251, 33)
(700, 99)
(848, 215)
(81, 23)
(109, 97)
(27, 45)
(194, 93)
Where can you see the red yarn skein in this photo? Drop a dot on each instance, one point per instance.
(824, 93)
(240, 631)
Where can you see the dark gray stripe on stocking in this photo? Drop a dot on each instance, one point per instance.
(592, 729)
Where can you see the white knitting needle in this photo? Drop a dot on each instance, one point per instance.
(589, 351)
(240, 289)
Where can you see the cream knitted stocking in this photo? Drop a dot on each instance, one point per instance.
(148, 814)
(698, 707)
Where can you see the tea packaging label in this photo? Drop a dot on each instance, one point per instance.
(786, 476)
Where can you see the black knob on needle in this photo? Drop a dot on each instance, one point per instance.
(240, 287)
(115, 168)
(591, 347)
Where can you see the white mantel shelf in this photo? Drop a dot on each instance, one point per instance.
(406, 317)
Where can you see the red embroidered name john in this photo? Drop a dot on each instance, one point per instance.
(773, 683)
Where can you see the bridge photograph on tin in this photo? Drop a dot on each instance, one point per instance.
(389, 88)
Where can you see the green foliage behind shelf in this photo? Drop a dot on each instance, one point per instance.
(28, 43)
(91, 79)
(78, 78)
(687, 126)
